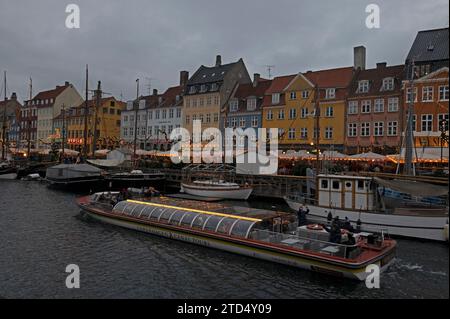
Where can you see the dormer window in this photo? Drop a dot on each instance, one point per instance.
(214, 87)
(275, 98)
(330, 93)
(177, 98)
(388, 84)
(234, 104)
(363, 86)
(192, 90)
(251, 104)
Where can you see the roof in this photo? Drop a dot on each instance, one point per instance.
(93, 102)
(278, 84)
(331, 78)
(375, 77)
(167, 99)
(211, 74)
(50, 94)
(430, 45)
(244, 91)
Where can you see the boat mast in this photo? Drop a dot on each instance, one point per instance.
(409, 168)
(29, 112)
(86, 111)
(63, 129)
(98, 95)
(317, 139)
(4, 122)
(135, 120)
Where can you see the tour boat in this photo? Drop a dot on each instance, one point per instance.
(217, 189)
(244, 231)
(361, 199)
(135, 178)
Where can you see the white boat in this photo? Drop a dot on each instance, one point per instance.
(356, 198)
(217, 189)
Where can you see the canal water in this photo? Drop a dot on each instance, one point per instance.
(41, 232)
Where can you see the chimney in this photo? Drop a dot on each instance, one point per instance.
(381, 65)
(66, 83)
(359, 57)
(256, 77)
(184, 77)
(218, 60)
(155, 92)
(14, 96)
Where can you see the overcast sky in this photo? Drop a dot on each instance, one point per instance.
(123, 40)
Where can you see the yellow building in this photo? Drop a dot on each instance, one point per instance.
(108, 124)
(290, 106)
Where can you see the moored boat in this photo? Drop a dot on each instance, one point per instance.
(243, 231)
(75, 177)
(361, 200)
(217, 189)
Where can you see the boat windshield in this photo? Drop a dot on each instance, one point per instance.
(221, 223)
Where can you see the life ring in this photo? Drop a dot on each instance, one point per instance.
(314, 227)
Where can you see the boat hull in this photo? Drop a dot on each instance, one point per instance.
(422, 227)
(355, 273)
(240, 193)
(8, 176)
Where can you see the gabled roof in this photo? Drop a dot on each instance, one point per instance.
(245, 91)
(279, 83)
(430, 45)
(375, 77)
(92, 102)
(331, 78)
(50, 94)
(211, 74)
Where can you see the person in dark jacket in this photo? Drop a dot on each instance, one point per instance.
(347, 225)
(301, 215)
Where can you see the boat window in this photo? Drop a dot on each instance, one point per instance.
(119, 207)
(360, 184)
(145, 212)
(212, 223)
(176, 217)
(324, 183)
(187, 219)
(336, 184)
(199, 221)
(348, 184)
(166, 215)
(155, 215)
(242, 228)
(128, 209)
(225, 225)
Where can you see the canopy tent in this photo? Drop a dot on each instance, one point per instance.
(413, 188)
(335, 155)
(369, 156)
(102, 152)
(427, 154)
(69, 152)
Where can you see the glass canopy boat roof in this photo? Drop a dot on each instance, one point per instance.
(221, 223)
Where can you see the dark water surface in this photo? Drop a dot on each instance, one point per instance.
(41, 232)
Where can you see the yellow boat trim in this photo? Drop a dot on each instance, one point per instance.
(196, 211)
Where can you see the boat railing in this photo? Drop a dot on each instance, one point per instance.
(309, 244)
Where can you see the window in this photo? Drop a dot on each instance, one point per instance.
(251, 104)
(233, 122)
(269, 115)
(363, 86)
(150, 115)
(125, 118)
(329, 112)
(281, 114)
(393, 104)
(156, 131)
(304, 133)
(203, 88)
(125, 131)
(305, 94)
(234, 104)
(365, 106)
(194, 102)
(216, 117)
(201, 118)
(352, 129)
(378, 128)
(392, 128)
(336, 185)
(414, 122)
(105, 110)
(157, 114)
(291, 134)
(324, 184)
(201, 101)
(330, 93)
(178, 113)
(365, 129)
(171, 114)
(275, 98)
(427, 94)
(388, 84)
(208, 118)
(242, 122)
(292, 113)
(208, 100)
(443, 93)
(408, 95)
(216, 100)
(304, 112)
(214, 87)
(188, 119)
(352, 107)
(255, 121)
(328, 133)
(427, 122)
(443, 122)
(293, 95)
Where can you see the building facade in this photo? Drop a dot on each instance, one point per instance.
(9, 121)
(208, 92)
(374, 114)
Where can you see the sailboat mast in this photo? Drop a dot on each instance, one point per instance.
(29, 113)
(409, 165)
(4, 122)
(86, 111)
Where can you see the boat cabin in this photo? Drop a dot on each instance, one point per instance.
(346, 192)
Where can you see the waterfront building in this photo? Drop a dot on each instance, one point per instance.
(9, 121)
(156, 116)
(208, 92)
(374, 112)
(244, 109)
(48, 105)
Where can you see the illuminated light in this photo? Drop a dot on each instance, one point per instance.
(196, 211)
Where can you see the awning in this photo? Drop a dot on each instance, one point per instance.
(413, 188)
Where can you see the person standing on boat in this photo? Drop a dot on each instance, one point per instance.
(301, 215)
